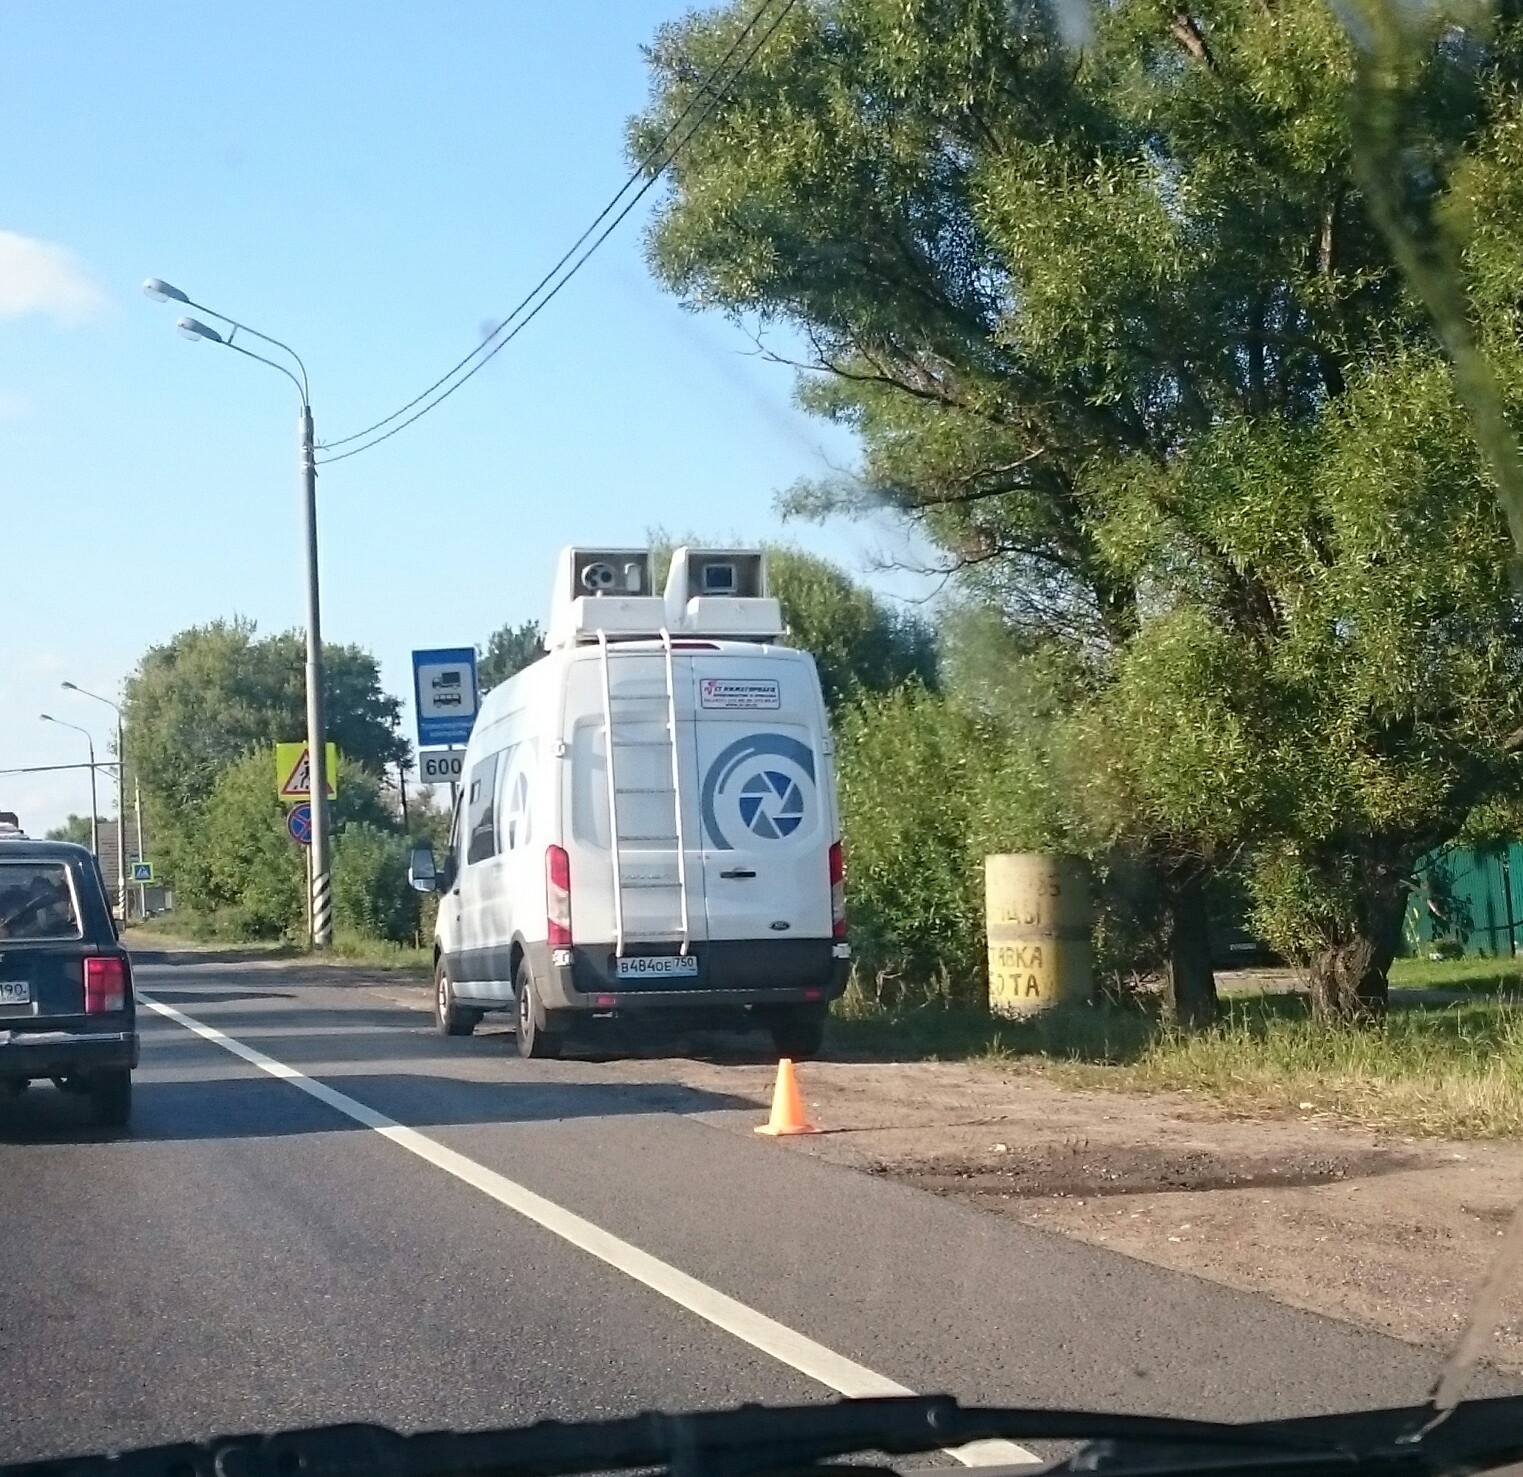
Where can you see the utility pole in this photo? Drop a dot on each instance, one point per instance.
(137, 805)
(317, 748)
(121, 819)
(94, 803)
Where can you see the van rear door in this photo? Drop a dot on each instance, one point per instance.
(765, 796)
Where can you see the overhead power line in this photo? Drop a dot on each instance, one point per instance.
(646, 174)
(639, 172)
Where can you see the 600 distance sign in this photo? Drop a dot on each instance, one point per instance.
(440, 766)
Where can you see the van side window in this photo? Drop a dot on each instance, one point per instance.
(480, 813)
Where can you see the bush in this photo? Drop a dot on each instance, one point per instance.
(929, 788)
(232, 860)
(371, 894)
(233, 857)
(926, 790)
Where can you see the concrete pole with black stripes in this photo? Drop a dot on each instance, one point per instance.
(317, 748)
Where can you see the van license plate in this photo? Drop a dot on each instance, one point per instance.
(15, 992)
(658, 966)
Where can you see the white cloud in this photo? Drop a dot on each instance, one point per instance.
(38, 277)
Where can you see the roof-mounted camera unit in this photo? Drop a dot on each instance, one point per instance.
(721, 592)
(709, 592)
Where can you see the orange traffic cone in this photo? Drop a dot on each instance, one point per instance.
(787, 1105)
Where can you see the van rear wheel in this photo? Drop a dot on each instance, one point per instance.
(798, 1031)
(535, 1040)
(452, 1018)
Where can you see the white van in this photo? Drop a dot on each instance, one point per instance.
(647, 817)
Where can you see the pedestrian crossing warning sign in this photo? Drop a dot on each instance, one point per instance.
(293, 771)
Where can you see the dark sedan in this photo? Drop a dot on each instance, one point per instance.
(66, 1006)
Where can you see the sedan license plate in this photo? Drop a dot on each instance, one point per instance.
(658, 966)
(15, 992)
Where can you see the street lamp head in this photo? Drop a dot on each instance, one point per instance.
(70, 687)
(47, 718)
(193, 328)
(161, 292)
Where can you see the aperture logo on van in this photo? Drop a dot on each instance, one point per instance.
(762, 784)
(771, 805)
(751, 694)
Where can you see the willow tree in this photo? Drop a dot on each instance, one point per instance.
(1114, 326)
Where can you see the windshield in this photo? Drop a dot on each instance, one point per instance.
(879, 758)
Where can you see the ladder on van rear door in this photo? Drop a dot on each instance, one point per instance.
(645, 832)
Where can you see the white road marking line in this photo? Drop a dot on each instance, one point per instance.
(824, 1366)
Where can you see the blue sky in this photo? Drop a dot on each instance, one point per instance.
(371, 182)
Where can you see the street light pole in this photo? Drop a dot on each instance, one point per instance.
(121, 798)
(94, 803)
(320, 894)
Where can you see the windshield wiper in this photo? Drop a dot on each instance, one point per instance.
(756, 1439)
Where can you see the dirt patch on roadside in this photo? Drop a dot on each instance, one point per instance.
(1076, 1170)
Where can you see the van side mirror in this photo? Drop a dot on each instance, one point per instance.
(422, 875)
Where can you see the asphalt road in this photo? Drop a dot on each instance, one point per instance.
(463, 1239)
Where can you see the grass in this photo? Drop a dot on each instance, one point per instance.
(205, 932)
(354, 948)
(1475, 975)
(348, 947)
(1447, 1067)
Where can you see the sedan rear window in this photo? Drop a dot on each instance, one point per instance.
(37, 902)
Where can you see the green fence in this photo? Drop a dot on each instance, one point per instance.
(1468, 902)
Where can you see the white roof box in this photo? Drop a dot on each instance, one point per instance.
(603, 590)
(721, 592)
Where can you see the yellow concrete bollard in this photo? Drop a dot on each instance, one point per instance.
(1038, 919)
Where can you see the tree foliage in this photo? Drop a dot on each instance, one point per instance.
(211, 693)
(860, 643)
(235, 858)
(76, 828)
(203, 712)
(1116, 329)
(508, 651)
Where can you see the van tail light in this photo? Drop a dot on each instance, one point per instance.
(558, 897)
(837, 891)
(105, 984)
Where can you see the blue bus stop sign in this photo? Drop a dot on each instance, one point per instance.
(299, 823)
(444, 694)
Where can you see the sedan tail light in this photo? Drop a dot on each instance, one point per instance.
(558, 897)
(105, 984)
(837, 891)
